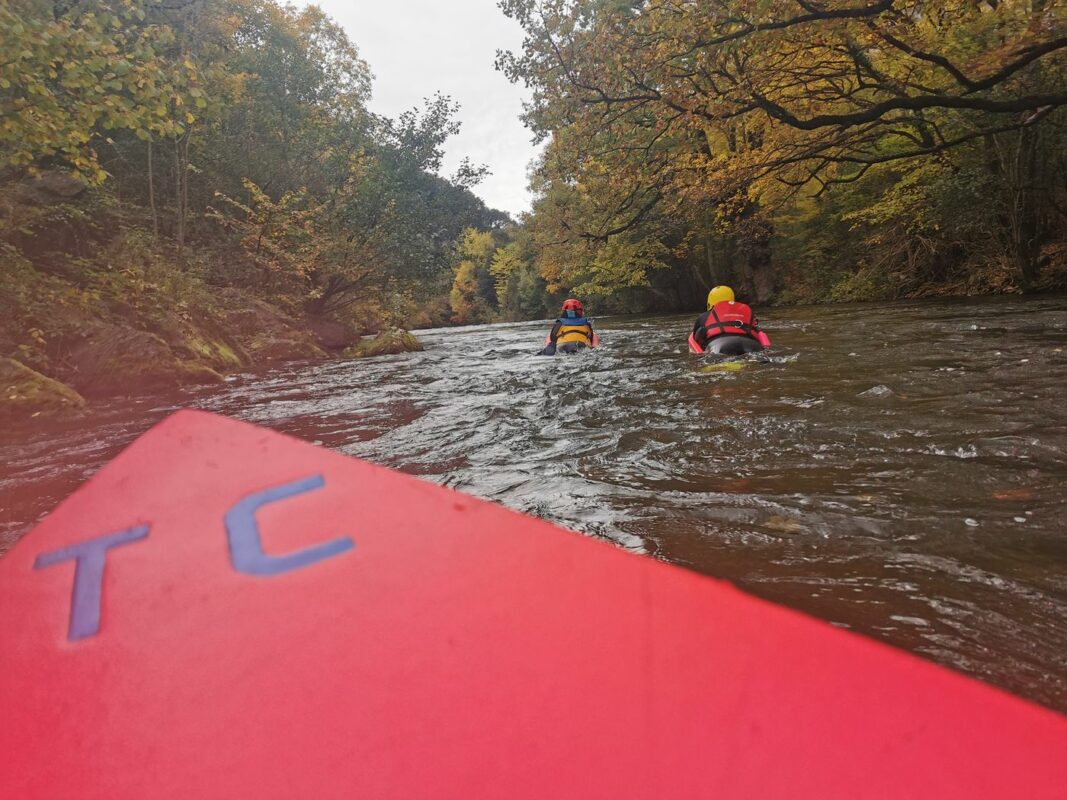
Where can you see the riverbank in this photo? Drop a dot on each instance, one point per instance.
(994, 276)
(134, 319)
(94, 304)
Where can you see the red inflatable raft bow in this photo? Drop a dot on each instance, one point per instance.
(225, 612)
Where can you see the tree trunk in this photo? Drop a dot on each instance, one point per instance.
(719, 269)
(179, 231)
(709, 253)
(181, 187)
(1019, 178)
(152, 194)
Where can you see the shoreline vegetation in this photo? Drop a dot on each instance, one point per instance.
(197, 187)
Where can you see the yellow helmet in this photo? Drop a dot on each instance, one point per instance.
(720, 294)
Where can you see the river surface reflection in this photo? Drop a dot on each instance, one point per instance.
(898, 469)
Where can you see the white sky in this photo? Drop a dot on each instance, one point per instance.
(418, 47)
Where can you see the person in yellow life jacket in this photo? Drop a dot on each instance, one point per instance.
(727, 327)
(572, 331)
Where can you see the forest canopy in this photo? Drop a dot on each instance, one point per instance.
(236, 135)
(804, 150)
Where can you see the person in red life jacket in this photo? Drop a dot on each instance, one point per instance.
(572, 331)
(727, 327)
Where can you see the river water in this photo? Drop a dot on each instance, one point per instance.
(898, 469)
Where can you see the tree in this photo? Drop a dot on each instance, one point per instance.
(73, 72)
(522, 293)
(238, 133)
(473, 297)
(711, 115)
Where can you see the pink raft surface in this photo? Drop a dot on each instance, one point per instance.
(280, 621)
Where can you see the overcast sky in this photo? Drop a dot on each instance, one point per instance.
(418, 47)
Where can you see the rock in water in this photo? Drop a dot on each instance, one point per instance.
(200, 339)
(881, 390)
(331, 334)
(114, 359)
(265, 333)
(26, 393)
(386, 343)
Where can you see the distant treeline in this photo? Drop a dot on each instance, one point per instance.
(806, 150)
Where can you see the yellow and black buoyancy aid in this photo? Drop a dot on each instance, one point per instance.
(576, 331)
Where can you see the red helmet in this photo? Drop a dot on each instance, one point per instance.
(573, 305)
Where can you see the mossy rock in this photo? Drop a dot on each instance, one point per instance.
(270, 347)
(202, 340)
(386, 343)
(218, 353)
(332, 334)
(264, 332)
(26, 393)
(113, 359)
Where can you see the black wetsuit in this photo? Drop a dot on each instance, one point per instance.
(744, 341)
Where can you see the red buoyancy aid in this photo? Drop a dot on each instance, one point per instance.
(730, 318)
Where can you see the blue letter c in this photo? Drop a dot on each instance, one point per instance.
(246, 549)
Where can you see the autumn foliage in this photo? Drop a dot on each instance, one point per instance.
(796, 147)
(232, 140)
